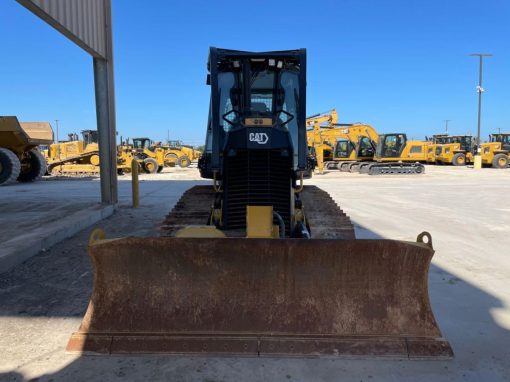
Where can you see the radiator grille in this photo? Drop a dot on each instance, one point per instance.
(257, 178)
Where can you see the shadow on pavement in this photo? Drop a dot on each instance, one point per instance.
(58, 284)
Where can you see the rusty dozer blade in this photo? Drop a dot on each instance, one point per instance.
(267, 297)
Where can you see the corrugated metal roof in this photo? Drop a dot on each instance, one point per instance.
(82, 21)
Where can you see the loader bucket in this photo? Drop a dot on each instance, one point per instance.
(260, 297)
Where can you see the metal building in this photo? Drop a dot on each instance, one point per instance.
(88, 23)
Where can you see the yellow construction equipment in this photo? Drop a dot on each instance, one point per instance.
(177, 153)
(149, 155)
(495, 153)
(20, 159)
(395, 154)
(321, 138)
(357, 148)
(300, 284)
(457, 150)
(434, 148)
(75, 157)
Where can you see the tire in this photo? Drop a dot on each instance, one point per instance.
(10, 167)
(459, 159)
(183, 161)
(500, 161)
(33, 167)
(150, 166)
(160, 168)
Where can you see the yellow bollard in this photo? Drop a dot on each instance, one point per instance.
(134, 183)
(477, 162)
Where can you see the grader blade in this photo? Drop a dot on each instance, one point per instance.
(260, 297)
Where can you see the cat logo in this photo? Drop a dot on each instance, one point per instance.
(260, 138)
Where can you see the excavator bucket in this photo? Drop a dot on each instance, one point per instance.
(260, 297)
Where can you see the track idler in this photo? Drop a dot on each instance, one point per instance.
(267, 297)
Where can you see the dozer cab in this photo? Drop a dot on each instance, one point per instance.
(395, 154)
(495, 153)
(256, 263)
(75, 157)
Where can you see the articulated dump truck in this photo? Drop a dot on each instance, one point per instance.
(256, 263)
(20, 159)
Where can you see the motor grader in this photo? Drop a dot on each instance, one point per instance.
(149, 156)
(20, 159)
(395, 154)
(256, 263)
(75, 157)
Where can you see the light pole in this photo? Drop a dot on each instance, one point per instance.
(58, 145)
(479, 89)
(446, 125)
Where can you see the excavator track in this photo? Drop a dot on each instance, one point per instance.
(326, 219)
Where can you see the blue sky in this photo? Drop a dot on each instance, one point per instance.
(398, 65)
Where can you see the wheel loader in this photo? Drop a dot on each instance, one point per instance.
(150, 156)
(495, 153)
(176, 153)
(20, 159)
(457, 150)
(395, 154)
(434, 148)
(75, 157)
(256, 263)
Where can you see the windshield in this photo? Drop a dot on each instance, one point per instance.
(262, 85)
(141, 143)
(343, 149)
(289, 82)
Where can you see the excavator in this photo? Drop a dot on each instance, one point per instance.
(357, 148)
(395, 154)
(321, 137)
(256, 263)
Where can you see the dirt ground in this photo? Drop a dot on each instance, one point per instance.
(466, 211)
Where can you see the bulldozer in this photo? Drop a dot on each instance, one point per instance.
(20, 158)
(150, 156)
(395, 154)
(75, 156)
(256, 263)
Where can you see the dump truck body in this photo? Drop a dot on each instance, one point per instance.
(20, 159)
